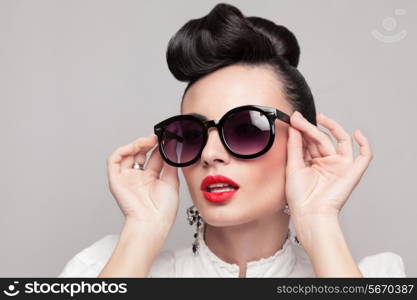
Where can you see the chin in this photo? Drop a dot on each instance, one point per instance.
(222, 216)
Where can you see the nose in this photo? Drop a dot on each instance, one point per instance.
(214, 151)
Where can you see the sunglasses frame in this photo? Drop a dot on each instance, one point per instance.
(270, 112)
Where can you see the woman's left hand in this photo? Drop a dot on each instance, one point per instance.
(319, 175)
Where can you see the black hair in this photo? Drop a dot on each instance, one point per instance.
(224, 37)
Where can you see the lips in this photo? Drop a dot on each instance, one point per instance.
(218, 196)
(217, 179)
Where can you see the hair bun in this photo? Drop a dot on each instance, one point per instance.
(225, 36)
(283, 40)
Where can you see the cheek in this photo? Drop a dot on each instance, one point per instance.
(193, 176)
(189, 176)
(269, 175)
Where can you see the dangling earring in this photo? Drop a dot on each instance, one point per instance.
(287, 209)
(193, 216)
(297, 241)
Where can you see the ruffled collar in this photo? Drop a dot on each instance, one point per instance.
(283, 259)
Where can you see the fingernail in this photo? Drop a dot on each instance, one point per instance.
(300, 115)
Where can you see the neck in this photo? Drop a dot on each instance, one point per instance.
(240, 244)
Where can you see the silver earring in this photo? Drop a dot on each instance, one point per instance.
(287, 210)
(193, 216)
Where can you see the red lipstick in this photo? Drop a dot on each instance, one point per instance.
(215, 193)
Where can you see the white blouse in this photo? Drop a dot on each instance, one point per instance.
(289, 261)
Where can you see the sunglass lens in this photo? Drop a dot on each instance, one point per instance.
(182, 140)
(247, 132)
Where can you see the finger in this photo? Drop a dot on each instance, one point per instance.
(344, 140)
(155, 162)
(307, 154)
(312, 147)
(365, 153)
(295, 159)
(307, 157)
(318, 137)
(170, 175)
(141, 144)
(128, 161)
(140, 157)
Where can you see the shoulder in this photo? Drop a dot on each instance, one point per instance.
(384, 264)
(302, 265)
(91, 260)
(174, 263)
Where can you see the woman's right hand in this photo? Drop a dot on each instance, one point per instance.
(144, 196)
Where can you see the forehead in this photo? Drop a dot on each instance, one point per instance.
(232, 86)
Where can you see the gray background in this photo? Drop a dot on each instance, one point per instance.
(80, 78)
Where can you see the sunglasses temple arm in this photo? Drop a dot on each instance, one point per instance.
(170, 135)
(283, 116)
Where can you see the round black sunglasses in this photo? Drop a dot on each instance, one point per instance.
(245, 131)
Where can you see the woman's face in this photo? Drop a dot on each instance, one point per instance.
(262, 179)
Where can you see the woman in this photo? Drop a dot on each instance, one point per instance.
(265, 161)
